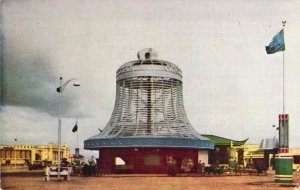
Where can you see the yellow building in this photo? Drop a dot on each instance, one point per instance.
(18, 154)
(296, 155)
(252, 152)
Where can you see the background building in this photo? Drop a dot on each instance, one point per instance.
(226, 152)
(19, 154)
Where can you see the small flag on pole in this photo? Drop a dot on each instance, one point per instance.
(277, 43)
(75, 128)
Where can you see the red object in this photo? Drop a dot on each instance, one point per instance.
(143, 160)
(283, 150)
(283, 117)
(286, 116)
(280, 117)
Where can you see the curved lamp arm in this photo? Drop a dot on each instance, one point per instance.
(61, 88)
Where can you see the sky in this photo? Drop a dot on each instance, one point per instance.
(231, 87)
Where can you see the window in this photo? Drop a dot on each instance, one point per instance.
(153, 160)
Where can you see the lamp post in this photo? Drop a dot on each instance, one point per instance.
(60, 90)
(275, 136)
(15, 158)
(16, 154)
(275, 145)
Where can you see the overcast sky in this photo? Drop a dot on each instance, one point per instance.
(231, 87)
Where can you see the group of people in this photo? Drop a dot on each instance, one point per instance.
(187, 166)
(200, 168)
(89, 168)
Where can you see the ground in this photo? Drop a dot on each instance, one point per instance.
(148, 182)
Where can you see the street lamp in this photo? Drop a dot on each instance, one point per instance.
(60, 90)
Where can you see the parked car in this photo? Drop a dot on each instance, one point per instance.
(36, 166)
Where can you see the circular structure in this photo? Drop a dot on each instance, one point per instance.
(284, 168)
(148, 109)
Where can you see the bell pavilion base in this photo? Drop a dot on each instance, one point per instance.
(142, 160)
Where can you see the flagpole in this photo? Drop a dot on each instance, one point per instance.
(283, 74)
(77, 132)
(77, 136)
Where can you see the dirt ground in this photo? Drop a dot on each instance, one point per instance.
(149, 182)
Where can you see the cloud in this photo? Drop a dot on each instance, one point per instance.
(23, 122)
(31, 81)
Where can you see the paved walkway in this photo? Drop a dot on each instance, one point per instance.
(150, 182)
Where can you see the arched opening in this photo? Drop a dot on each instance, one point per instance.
(119, 161)
(37, 156)
(121, 166)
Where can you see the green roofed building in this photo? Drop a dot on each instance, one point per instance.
(226, 152)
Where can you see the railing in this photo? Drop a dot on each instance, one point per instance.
(53, 172)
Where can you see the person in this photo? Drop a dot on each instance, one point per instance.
(47, 177)
(199, 167)
(217, 168)
(249, 164)
(171, 167)
(203, 168)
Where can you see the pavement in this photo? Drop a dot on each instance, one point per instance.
(149, 182)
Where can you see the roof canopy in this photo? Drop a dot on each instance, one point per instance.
(224, 141)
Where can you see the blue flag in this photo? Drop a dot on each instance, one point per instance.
(277, 43)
